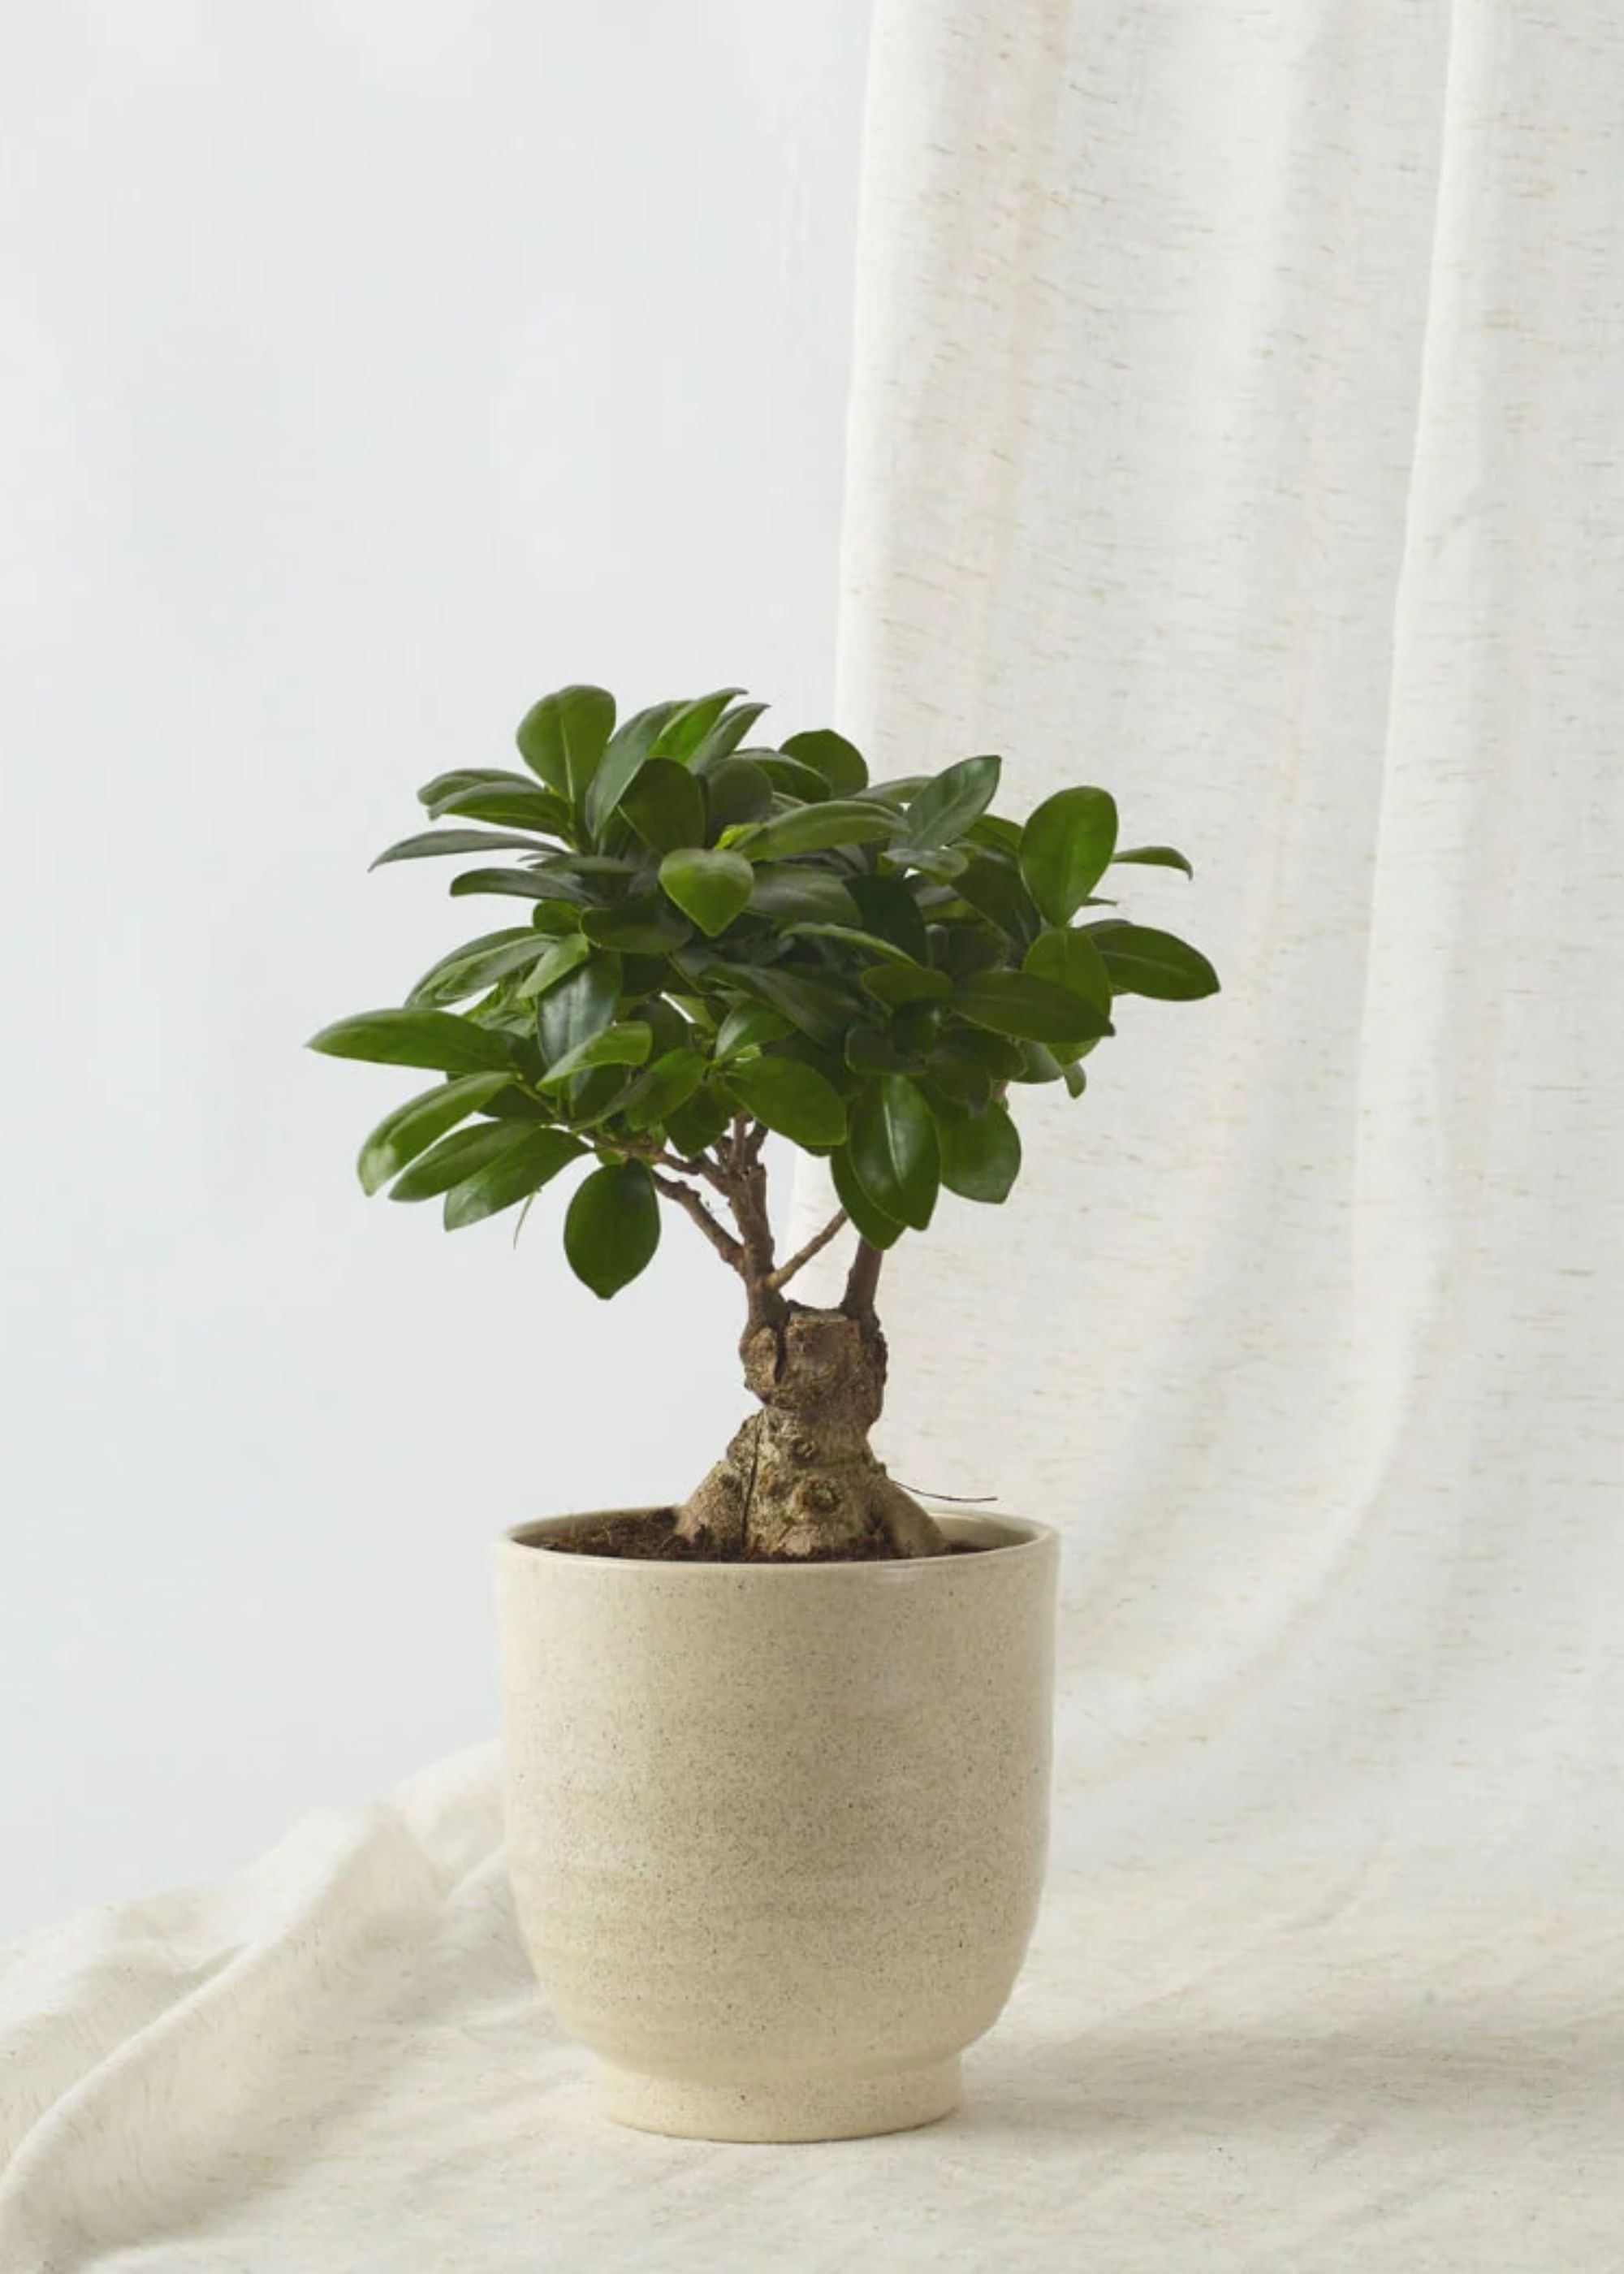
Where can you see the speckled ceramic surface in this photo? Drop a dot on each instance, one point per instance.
(776, 1832)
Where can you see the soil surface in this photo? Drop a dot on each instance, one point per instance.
(656, 1540)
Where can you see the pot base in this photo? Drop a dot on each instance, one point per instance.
(849, 2108)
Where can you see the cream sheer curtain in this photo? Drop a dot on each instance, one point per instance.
(1238, 420)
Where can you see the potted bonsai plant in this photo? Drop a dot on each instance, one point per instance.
(777, 1756)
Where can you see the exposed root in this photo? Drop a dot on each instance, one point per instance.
(799, 1477)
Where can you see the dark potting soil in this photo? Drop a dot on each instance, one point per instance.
(653, 1539)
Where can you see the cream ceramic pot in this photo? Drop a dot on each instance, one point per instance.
(776, 1832)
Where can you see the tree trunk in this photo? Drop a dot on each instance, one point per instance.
(799, 1478)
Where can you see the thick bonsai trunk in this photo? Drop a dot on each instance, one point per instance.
(799, 1478)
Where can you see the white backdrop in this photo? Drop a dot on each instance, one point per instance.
(364, 372)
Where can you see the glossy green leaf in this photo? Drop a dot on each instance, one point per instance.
(894, 1150)
(995, 888)
(431, 843)
(626, 754)
(691, 722)
(665, 806)
(839, 762)
(1071, 959)
(518, 883)
(735, 790)
(940, 813)
(869, 1223)
(723, 738)
(461, 1155)
(1066, 847)
(851, 937)
(477, 964)
(980, 1155)
(640, 927)
(897, 985)
(745, 1027)
(667, 1087)
(818, 1009)
(887, 905)
(790, 1098)
(1034, 1010)
(557, 962)
(579, 1007)
(413, 1127)
(1153, 857)
(517, 1174)
(612, 1226)
(712, 888)
(563, 737)
(437, 1040)
(626, 1045)
(699, 1123)
(1143, 961)
(812, 828)
(789, 895)
(1076, 1081)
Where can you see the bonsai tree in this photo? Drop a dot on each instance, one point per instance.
(719, 943)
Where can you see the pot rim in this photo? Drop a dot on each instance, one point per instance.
(1028, 1538)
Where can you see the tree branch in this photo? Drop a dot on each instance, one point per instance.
(862, 1282)
(690, 1202)
(816, 1246)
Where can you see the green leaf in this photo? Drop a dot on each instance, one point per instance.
(995, 889)
(517, 1174)
(941, 812)
(725, 737)
(1035, 1010)
(839, 762)
(518, 883)
(1066, 847)
(691, 1127)
(820, 1011)
(897, 791)
(435, 1039)
(413, 1127)
(1153, 857)
(1076, 1081)
(873, 1049)
(745, 1027)
(458, 1155)
(894, 1150)
(478, 964)
(1142, 961)
(791, 1099)
(429, 842)
(557, 961)
(665, 806)
(579, 1007)
(1071, 959)
(626, 754)
(691, 722)
(792, 777)
(626, 1045)
(789, 894)
(886, 905)
(612, 1226)
(641, 927)
(563, 739)
(812, 828)
(667, 1087)
(897, 985)
(494, 793)
(735, 790)
(852, 938)
(980, 1155)
(869, 1223)
(712, 888)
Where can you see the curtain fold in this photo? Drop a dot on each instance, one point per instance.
(1237, 400)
